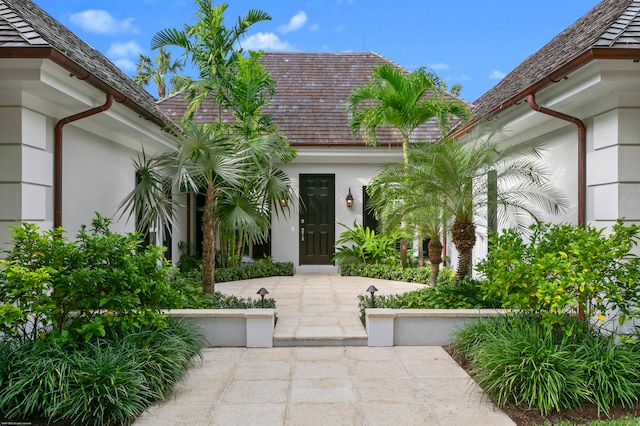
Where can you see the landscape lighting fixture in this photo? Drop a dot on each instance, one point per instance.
(371, 290)
(262, 292)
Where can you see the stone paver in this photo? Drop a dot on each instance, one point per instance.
(323, 385)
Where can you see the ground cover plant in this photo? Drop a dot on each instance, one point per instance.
(563, 356)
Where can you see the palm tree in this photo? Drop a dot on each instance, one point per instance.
(405, 101)
(456, 175)
(388, 192)
(158, 70)
(213, 50)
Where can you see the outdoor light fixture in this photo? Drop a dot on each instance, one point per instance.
(371, 290)
(349, 199)
(262, 292)
(284, 202)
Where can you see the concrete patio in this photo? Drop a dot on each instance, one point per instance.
(321, 374)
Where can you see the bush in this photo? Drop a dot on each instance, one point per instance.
(397, 273)
(366, 246)
(108, 381)
(260, 269)
(467, 294)
(83, 287)
(564, 267)
(518, 360)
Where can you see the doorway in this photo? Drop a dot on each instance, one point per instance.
(317, 219)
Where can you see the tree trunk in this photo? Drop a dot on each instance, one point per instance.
(209, 241)
(404, 247)
(435, 258)
(463, 235)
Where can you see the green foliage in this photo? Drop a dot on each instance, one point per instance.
(519, 360)
(396, 273)
(260, 269)
(107, 381)
(467, 294)
(563, 267)
(192, 297)
(366, 246)
(84, 287)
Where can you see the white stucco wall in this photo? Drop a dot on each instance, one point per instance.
(351, 170)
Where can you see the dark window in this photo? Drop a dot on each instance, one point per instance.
(367, 212)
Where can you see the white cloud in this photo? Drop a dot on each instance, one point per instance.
(126, 65)
(296, 22)
(101, 22)
(497, 75)
(265, 41)
(314, 27)
(439, 66)
(124, 50)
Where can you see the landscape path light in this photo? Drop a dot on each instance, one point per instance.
(372, 290)
(262, 292)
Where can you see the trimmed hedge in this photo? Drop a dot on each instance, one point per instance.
(396, 273)
(260, 269)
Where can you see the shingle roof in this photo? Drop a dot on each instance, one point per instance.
(309, 103)
(25, 27)
(612, 24)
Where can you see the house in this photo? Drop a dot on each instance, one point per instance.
(580, 94)
(71, 122)
(332, 164)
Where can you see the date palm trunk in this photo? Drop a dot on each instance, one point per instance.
(209, 241)
(435, 258)
(463, 235)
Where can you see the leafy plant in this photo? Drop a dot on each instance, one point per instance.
(397, 273)
(110, 380)
(564, 268)
(366, 246)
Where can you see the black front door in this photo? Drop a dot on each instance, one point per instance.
(317, 219)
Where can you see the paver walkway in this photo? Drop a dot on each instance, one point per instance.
(323, 385)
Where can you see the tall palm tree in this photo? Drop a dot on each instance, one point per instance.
(212, 48)
(405, 101)
(158, 70)
(456, 174)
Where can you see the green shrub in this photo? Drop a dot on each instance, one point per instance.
(366, 246)
(260, 269)
(107, 381)
(563, 267)
(397, 273)
(84, 287)
(468, 294)
(519, 360)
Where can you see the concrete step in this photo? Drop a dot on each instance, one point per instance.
(319, 341)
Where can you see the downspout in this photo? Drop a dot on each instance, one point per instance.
(57, 154)
(582, 154)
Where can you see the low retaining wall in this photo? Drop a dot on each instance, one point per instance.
(419, 327)
(251, 328)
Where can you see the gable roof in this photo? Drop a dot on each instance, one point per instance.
(27, 31)
(611, 30)
(310, 98)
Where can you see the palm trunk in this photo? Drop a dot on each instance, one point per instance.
(404, 247)
(463, 235)
(209, 242)
(435, 258)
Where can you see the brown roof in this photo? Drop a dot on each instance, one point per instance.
(27, 31)
(309, 103)
(609, 30)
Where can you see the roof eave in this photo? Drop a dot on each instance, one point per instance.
(554, 77)
(83, 74)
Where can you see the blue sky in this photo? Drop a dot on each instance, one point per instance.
(471, 42)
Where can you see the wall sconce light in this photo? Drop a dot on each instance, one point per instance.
(284, 202)
(349, 199)
(372, 290)
(262, 292)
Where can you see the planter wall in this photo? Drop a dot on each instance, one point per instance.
(251, 328)
(419, 327)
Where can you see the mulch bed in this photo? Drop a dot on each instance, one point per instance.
(586, 413)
